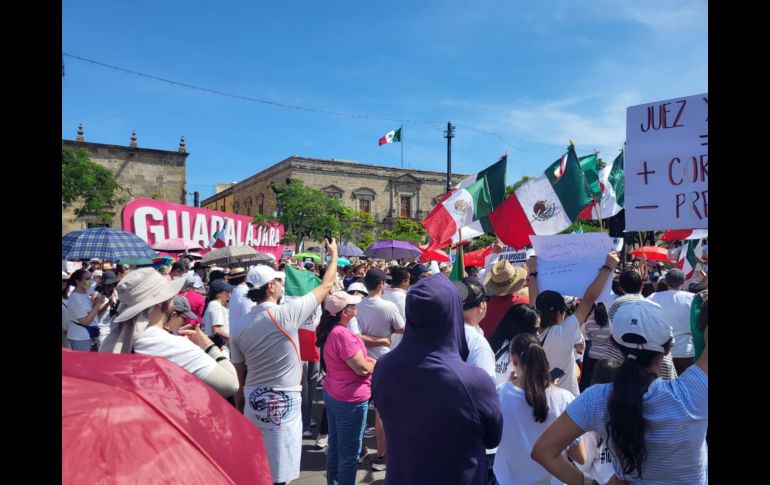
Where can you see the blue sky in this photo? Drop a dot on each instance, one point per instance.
(533, 73)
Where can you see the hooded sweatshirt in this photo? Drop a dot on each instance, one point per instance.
(439, 413)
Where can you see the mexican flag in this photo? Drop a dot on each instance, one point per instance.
(544, 205)
(611, 201)
(688, 257)
(298, 284)
(590, 166)
(218, 239)
(684, 234)
(391, 137)
(458, 267)
(484, 190)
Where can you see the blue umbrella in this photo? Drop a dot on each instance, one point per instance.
(349, 250)
(340, 261)
(104, 243)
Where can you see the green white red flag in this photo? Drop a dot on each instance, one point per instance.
(391, 137)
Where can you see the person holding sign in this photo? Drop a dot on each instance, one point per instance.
(558, 333)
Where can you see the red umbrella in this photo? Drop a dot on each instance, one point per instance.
(653, 253)
(477, 258)
(139, 419)
(433, 255)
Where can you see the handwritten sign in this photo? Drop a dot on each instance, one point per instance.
(666, 165)
(569, 263)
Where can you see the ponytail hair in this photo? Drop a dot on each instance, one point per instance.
(550, 304)
(527, 348)
(325, 326)
(626, 425)
(73, 281)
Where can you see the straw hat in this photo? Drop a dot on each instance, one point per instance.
(504, 278)
(144, 288)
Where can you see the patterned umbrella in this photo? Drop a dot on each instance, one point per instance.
(104, 243)
(392, 250)
(349, 250)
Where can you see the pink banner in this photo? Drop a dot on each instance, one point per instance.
(156, 220)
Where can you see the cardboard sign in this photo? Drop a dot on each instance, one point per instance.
(569, 263)
(666, 165)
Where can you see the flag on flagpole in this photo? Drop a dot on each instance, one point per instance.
(218, 239)
(612, 183)
(459, 208)
(590, 166)
(298, 284)
(443, 228)
(688, 257)
(391, 137)
(544, 205)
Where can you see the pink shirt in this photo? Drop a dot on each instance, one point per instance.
(341, 382)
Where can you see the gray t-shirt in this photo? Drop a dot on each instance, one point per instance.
(270, 351)
(378, 318)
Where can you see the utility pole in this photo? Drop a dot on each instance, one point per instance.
(449, 134)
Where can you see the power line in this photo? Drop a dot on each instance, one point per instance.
(291, 106)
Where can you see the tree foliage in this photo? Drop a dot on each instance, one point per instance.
(405, 230)
(88, 184)
(307, 213)
(482, 242)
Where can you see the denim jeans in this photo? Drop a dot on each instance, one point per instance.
(346, 432)
(309, 382)
(81, 345)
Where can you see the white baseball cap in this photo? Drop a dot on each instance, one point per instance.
(641, 324)
(260, 275)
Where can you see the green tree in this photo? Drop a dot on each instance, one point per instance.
(509, 189)
(405, 230)
(482, 242)
(87, 184)
(366, 239)
(307, 213)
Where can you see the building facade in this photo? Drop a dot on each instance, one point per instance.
(141, 172)
(386, 193)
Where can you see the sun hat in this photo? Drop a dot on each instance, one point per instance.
(141, 289)
(338, 300)
(262, 274)
(504, 279)
(641, 324)
(358, 286)
(237, 273)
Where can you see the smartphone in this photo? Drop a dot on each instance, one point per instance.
(328, 235)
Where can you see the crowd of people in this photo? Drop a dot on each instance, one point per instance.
(480, 381)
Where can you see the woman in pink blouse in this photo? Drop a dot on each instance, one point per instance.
(347, 386)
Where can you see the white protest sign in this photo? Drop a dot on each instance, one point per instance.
(569, 263)
(73, 266)
(516, 258)
(666, 165)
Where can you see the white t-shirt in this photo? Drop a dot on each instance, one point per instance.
(520, 431)
(353, 326)
(378, 318)
(559, 347)
(271, 359)
(216, 315)
(397, 296)
(676, 305)
(598, 458)
(179, 350)
(480, 353)
(239, 303)
(79, 306)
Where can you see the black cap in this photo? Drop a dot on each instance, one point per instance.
(219, 285)
(109, 278)
(418, 270)
(472, 293)
(374, 277)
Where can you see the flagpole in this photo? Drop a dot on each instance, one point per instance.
(401, 130)
(460, 251)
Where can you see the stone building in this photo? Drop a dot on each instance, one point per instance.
(141, 172)
(384, 192)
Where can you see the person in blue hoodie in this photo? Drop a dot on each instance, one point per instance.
(439, 413)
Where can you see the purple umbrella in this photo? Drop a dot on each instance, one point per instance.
(392, 250)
